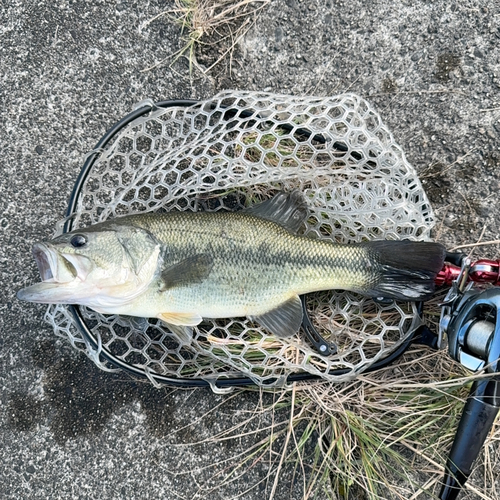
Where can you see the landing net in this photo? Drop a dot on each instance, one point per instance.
(230, 152)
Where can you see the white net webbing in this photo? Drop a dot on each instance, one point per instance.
(232, 151)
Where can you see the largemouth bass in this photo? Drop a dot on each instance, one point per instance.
(182, 267)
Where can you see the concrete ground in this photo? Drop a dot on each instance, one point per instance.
(70, 69)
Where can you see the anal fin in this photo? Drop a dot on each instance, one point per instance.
(283, 321)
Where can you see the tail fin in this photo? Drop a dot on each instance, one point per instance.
(407, 268)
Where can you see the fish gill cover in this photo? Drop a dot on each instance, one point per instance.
(228, 153)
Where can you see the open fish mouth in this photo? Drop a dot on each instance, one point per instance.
(52, 266)
(62, 276)
(42, 261)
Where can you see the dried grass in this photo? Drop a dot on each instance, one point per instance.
(200, 20)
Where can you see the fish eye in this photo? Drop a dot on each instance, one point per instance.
(78, 240)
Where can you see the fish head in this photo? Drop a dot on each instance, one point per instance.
(99, 266)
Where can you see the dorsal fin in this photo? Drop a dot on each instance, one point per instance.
(286, 209)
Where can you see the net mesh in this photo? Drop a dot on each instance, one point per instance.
(230, 152)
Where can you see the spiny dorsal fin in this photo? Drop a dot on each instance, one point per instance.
(286, 209)
(283, 321)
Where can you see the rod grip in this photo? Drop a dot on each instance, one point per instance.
(477, 419)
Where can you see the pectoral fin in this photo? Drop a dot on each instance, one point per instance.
(133, 322)
(194, 269)
(183, 333)
(285, 320)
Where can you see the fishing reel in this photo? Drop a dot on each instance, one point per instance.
(470, 319)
